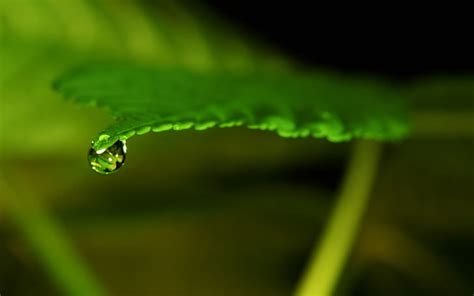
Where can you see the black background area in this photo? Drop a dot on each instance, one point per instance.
(400, 41)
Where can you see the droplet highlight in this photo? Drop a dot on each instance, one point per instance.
(108, 161)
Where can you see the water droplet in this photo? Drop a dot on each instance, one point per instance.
(108, 161)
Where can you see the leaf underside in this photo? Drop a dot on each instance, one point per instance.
(293, 105)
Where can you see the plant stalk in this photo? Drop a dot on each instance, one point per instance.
(330, 256)
(48, 240)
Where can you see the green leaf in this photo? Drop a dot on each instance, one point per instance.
(294, 105)
(39, 40)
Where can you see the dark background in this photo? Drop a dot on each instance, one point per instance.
(399, 40)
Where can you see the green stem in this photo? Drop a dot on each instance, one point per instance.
(329, 257)
(49, 242)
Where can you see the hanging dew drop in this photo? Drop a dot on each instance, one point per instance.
(108, 161)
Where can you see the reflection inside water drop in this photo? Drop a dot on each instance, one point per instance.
(108, 161)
